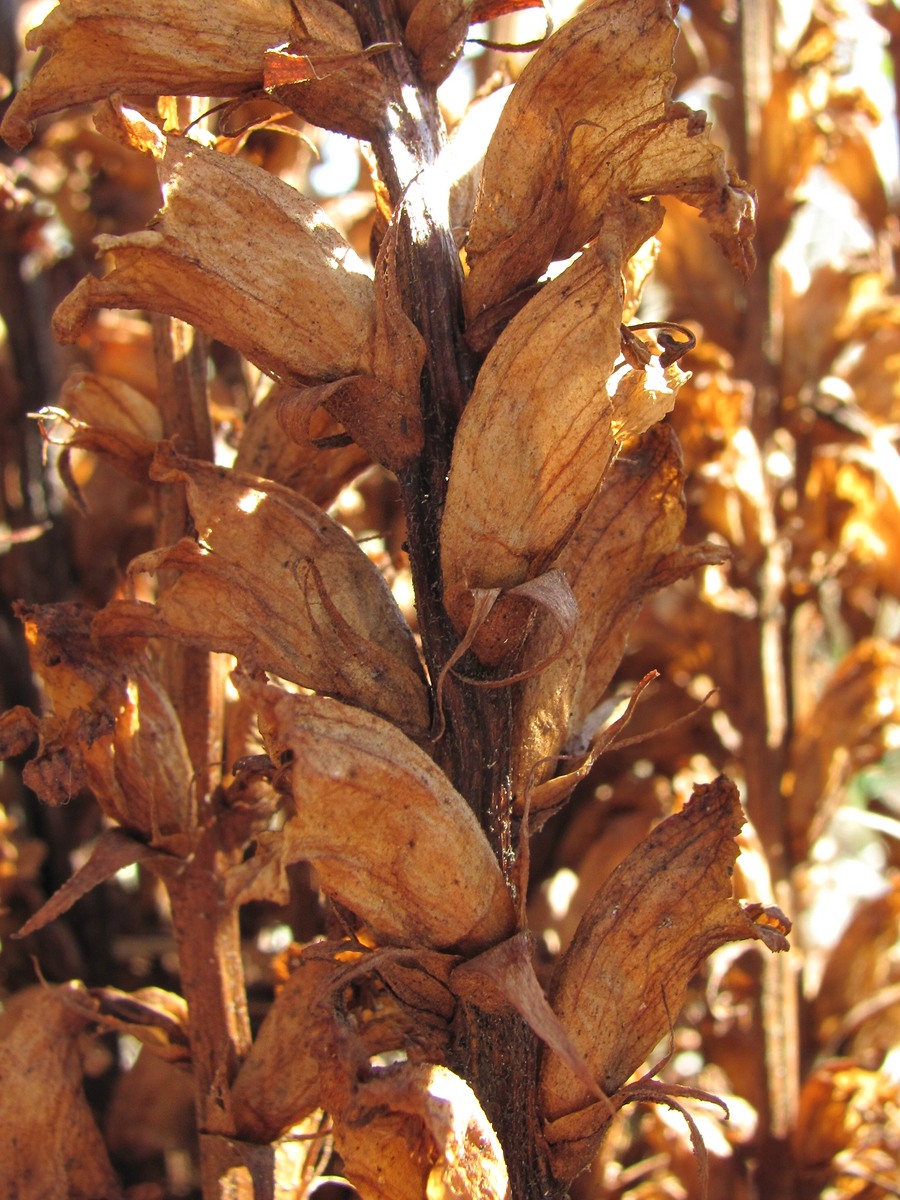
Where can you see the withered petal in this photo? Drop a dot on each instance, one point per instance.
(161, 47)
(540, 411)
(592, 118)
(623, 979)
(248, 259)
(388, 834)
(276, 582)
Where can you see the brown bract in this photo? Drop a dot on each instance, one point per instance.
(844, 322)
(858, 1003)
(324, 72)
(275, 582)
(848, 1128)
(626, 547)
(243, 256)
(113, 850)
(103, 416)
(49, 1142)
(388, 835)
(399, 353)
(145, 47)
(418, 1130)
(108, 725)
(622, 981)
(297, 461)
(504, 977)
(278, 1083)
(811, 119)
(382, 424)
(590, 119)
(341, 1005)
(383, 414)
(436, 32)
(537, 436)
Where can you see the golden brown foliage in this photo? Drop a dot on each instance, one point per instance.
(406, 529)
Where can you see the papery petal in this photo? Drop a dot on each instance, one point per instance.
(541, 412)
(592, 118)
(245, 257)
(616, 990)
(274, 581)
(165, 47)
(387, 833)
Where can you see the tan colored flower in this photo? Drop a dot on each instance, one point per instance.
(592, 118)
(243, 256)
(108, 725)
(540, 410)
(166, 47)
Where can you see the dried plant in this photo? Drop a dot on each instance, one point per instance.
(270, 699)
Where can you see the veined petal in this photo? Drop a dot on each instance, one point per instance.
(290, 590)
(388, 834)
(592, 118)
(160, 47)
(540, 410)
(248, 259)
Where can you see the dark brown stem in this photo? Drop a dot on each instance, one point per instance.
(497, 1055)
(406, 149)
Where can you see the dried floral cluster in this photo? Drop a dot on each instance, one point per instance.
(488, 359)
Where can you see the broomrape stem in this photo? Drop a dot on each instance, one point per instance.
(497, 1054)
(207, 934)
(429, 270)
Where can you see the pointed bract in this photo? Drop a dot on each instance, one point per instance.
(245, 257)
(388, 835)
(145, 47)
(284, 589)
